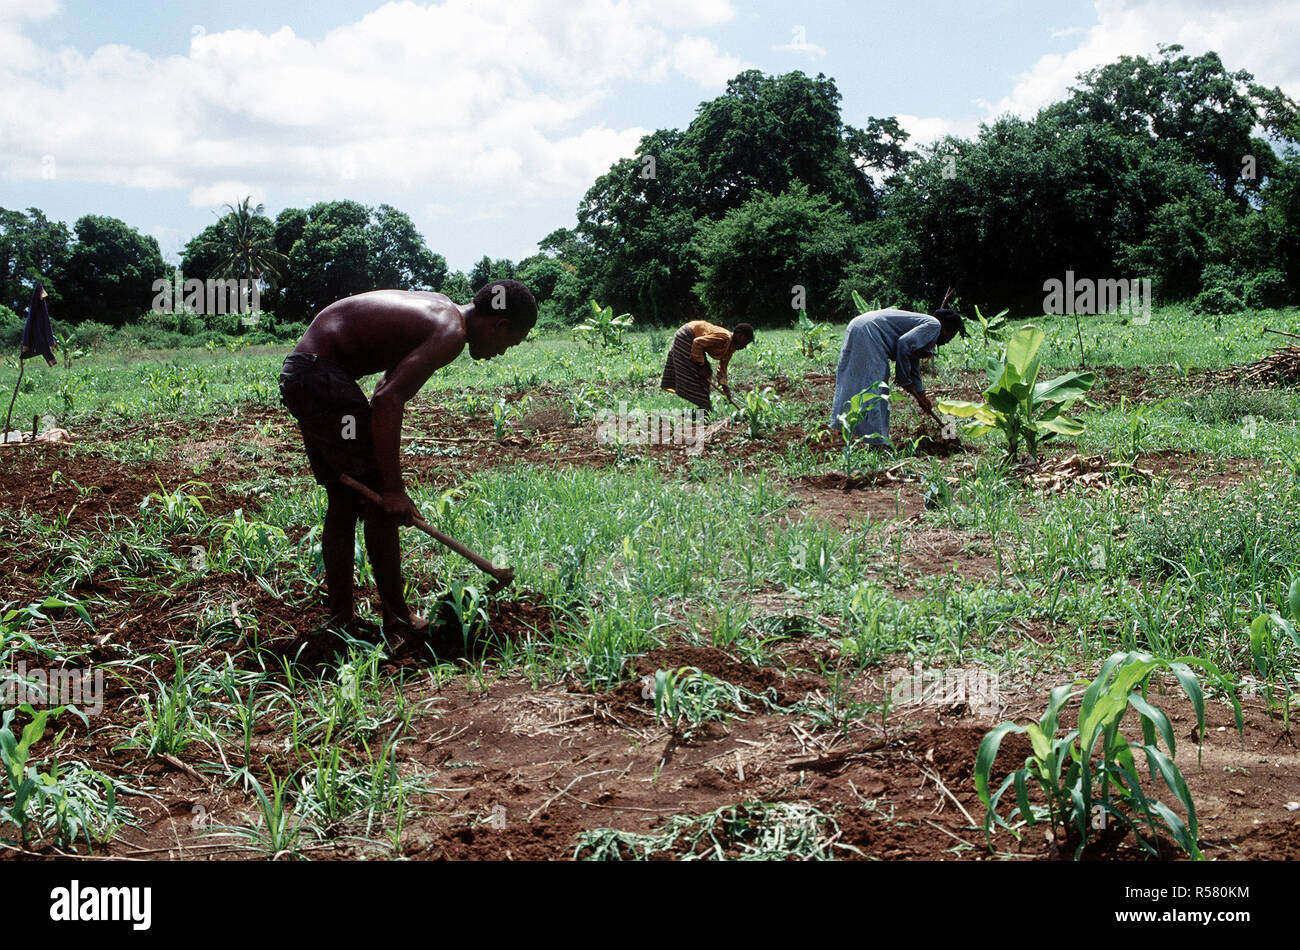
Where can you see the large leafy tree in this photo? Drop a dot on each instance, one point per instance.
(31, 248)
(638, 224)
(330, 260)
(1137, 174)
(399, 258)
(775, 253)
(1023, 203)
(340, 248)
(1190, 103)
(487, 270)
(767, 132)
(110, 272)
(635, 228)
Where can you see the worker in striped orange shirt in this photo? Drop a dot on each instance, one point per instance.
(687, 372)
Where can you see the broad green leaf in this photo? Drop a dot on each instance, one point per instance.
(987, 753)
(1154, 716)
(1022, 347)
(1071, 386)
(1004, 401)
(958, 408)
(1063, 425)
(1042, 745)
(860, 304)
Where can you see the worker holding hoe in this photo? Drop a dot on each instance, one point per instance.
(687, 372)
(406, 335)
(874, 339)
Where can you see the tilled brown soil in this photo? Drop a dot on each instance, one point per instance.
(521, 772)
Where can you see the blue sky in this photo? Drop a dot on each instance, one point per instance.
(486, 120)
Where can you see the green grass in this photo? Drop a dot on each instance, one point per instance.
(637, 554)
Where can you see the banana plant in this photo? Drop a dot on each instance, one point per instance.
(810, 336)
(992, 327)
(1017, 404)
(602, 328)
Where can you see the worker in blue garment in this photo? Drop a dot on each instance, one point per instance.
(874, 339)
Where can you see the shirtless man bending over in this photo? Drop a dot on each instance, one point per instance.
(406, 335)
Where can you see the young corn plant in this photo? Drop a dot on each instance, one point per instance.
(757, 410)
(279, 830)
(1017, 404)
(1089, 776)
(854, 412)
(1266, 640)
(503, 415)
(255, 545)
(169, 725)
(687, 698)
(63, 803)
(178, 512)
(26, 786)
(769, 363)
(469, 606)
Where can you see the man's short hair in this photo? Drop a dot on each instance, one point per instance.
(509, 299)
(744, 330)
(951, 320)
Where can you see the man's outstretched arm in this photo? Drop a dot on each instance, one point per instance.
(387, 406)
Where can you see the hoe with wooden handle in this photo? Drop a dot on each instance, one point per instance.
(727, 393)
(503, 575)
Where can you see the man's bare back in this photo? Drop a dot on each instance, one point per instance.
(373, 332)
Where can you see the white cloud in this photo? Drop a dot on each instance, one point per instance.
(698, 58)
(928, 129)
(799, 44)
(372, 102)
(16, 50)
(221, 193)
(686, 14)
(1256, 35)
(11, 10)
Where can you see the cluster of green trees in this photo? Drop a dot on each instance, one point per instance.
(105, 265)
(1150, 168)
(105, 271)
(1171, 168)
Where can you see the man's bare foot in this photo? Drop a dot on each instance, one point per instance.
(413, 625)
(352, 627)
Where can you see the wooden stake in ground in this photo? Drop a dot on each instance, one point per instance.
(9, 418)
(37, 340)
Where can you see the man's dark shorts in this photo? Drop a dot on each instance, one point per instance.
(334, 416)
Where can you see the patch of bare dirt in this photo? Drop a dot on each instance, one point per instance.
(88, 487)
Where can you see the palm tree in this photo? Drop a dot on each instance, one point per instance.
(245, 251)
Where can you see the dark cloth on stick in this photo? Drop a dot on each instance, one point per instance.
(38, 335)
(684, 376)
(334, 416)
